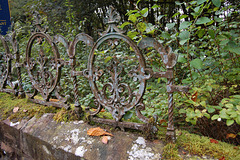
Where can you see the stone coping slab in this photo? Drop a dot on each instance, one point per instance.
(44, 138)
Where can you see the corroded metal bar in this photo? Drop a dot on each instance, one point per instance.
(122, 125)
(167, 74)
(170, 129)
(76, 73)
(174, 88)
(49, 103)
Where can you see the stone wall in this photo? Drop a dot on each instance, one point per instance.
(45, 139)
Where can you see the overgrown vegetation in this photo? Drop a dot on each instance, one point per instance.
(187, 144)
(205, 35)
(17, 109)
(206, 38)
(192, 144)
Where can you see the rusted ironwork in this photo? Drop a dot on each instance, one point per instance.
(169, 60)
(116, 72)
(71, 51)
(44, 67)
(108, 85)
(9, 60)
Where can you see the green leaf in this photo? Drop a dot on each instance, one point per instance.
(229, 105)
(201, 33)
(238, 119)
(223, 114)
(175, 14)
(206, 115)
(132, 35)
(181, 111)
(203, 20)
(107, 59)
(183, 16)
(211, 33)
(198, 113)
(150, 28)
(132, 18)
(197, 63)
(141, 27)
(181, 58)
(184, 35)
(144, 12)
(217, 3)
(184, 25)
(218, 19)
(235, 96)
(178, 3)
(155, 6)
(170, 25)
(214, 117)
(209, 88)
(196, 9)
(229, 122)
(182, 42)
(125, 24)
(210, 109)
(235, 50)
(165, 35)
(201, 1)
(160, 17)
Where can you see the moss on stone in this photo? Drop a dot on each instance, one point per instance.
(189, 145)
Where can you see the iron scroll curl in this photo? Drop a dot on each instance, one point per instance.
(45, 88)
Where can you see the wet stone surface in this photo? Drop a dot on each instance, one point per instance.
(45, 139)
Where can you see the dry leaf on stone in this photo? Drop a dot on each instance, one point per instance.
(15, 109)
(105, 139)
(97, 132)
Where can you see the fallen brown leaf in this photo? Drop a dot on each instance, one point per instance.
(97, 132)
(223, 158)
(15, 109)
(231, 135)
(184, 152)
(156, 141)
(105, 139)
(235, 147)
(194, 96)
(162, 121)
(213, 141)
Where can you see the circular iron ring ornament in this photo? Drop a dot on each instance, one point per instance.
(45, 89)
(6, 66)
(115, 106)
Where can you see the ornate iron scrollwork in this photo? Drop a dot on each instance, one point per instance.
(116, 72)
(9, 60)
(44, 65)
(108, 81)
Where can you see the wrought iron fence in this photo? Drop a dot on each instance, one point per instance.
(113, 62)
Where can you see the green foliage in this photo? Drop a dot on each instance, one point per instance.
(202, 146)
(204, 33)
